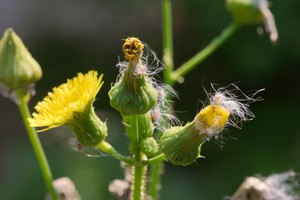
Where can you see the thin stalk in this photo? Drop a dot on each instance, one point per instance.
(154, 181)
(38, 149)
(158, 158)
(205, 53)
(167, 34)
(107, 148)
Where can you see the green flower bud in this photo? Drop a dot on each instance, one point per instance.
(182, 144)
(18, 69)
(133, 94)
(245, 11)
(144, 123)
(149, 146)
(88, 128)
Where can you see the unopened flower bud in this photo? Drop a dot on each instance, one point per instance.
(18, 69)
(133, 94)
(149, 146)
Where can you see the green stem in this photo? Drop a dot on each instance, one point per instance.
(138, 187)
(155, 175)
(38, 149)
(107, 148)
(139, 169)
(205, 53)
(167, 40)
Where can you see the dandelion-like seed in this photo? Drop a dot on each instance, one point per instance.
(227, 106)
(71, 104)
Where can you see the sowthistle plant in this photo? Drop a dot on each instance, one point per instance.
(145, 104)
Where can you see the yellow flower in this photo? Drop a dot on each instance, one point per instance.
(227, 107)
(71, 104)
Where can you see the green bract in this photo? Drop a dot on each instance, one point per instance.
(88, 128)
(141, 122)
(182, 144)
(133, 95)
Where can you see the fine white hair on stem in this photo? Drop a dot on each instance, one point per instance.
(235, 101)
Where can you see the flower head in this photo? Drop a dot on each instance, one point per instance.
(182, 144)
(71, 104)
(226, 107)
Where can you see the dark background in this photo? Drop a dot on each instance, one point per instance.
(70, 36)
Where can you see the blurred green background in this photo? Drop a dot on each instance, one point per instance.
(67, 37)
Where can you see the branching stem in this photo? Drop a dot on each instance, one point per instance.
(193, 62)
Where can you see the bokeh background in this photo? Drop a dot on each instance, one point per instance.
(70, 36)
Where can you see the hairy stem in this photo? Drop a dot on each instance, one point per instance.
(38, 149)
(139, 168)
